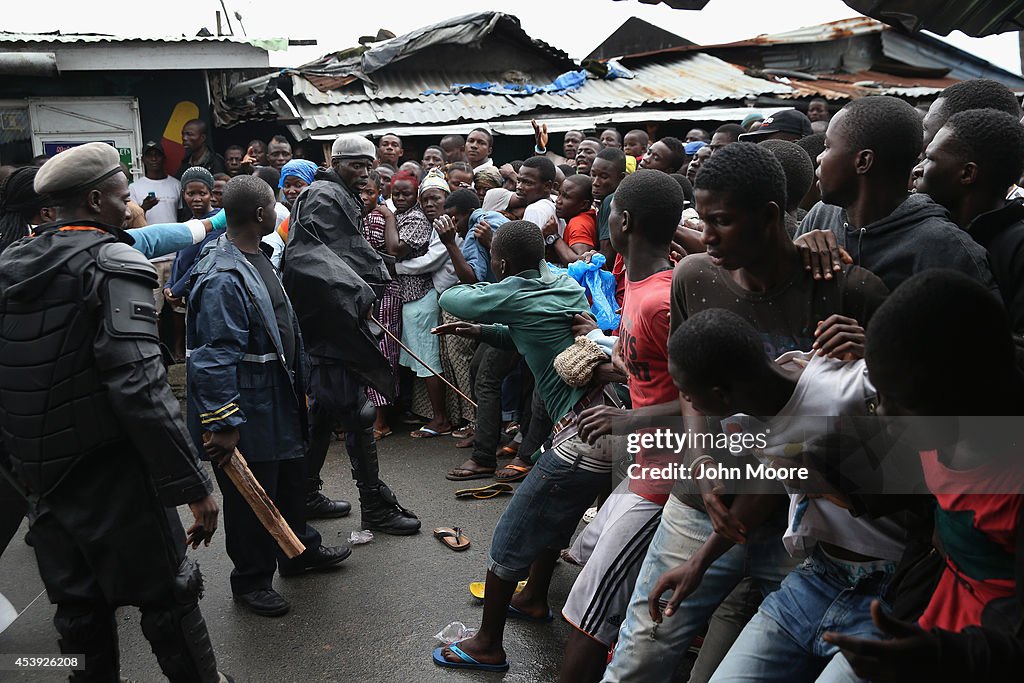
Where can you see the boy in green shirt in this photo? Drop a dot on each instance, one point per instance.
(532, 310)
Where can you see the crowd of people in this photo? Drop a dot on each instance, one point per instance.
(774, 277)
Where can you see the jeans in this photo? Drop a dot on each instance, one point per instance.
(543, 514)
(725, 627)
(489, 367)
(648, 653)
(783, 641)
(537, 428)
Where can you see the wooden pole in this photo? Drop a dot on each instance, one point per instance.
(270, 517)
(435, 372)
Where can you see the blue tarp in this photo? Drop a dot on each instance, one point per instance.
(567, 82)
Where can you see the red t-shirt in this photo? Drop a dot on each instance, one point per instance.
(582, 229)
(978, 532)
(619, 271)
(643, 336)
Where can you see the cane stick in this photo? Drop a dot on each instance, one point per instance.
(270, 517)
(417, 358)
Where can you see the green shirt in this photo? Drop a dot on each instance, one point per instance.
(528, 314)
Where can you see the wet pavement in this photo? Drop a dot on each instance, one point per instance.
(373, 620)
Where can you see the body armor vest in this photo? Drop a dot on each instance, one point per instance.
(56, 410)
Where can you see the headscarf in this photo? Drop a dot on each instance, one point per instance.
(434, 180)
(303, 169)
(488, 177)
(18, 204)
(749, 119)
(692, 148)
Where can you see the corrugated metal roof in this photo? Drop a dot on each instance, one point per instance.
(557, 123)
(70, 38)
(864, 83)
(693, 79)
(832, 30)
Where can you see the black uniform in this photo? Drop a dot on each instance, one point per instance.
(333, 276)
(95, 437)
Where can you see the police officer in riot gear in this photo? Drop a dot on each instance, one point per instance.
(344, 358)
(94, 437)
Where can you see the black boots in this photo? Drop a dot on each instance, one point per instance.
(320, 559)
(378, 505)
(319, 506)
(381, 512)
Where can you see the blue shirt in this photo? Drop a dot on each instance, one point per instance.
(477, 256)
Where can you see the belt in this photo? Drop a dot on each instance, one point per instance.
(601, 395)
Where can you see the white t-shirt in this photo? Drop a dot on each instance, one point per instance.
(273, 239)
(540, 212)
(486, 163)
(497, 199)
(826, 388)
(168, 191)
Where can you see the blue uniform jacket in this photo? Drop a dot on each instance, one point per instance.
(238, 375)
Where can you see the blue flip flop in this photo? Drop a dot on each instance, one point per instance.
(467, 661)
(516, 613)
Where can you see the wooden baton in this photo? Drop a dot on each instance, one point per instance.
(270, 517)
(420, 361)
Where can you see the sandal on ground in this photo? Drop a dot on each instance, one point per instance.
(484, 492)
(379, 434)
(518, 473)
(463, 432)
(453, 537)
(462, 474)
(476, 589)
(467, 661)
(428, 433)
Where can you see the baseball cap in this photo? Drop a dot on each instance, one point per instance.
(153, 145)
(785, 121)
(352, 146)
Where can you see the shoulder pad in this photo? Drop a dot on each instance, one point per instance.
(117, 258)
(129, 308)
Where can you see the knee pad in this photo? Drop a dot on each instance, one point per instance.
(188, 583)
(366, 414)
(360, 416)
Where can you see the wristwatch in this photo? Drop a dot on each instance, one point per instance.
(551, 239)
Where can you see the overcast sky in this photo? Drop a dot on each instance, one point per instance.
(576, 26)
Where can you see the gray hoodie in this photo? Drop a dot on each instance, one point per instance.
(916, 236)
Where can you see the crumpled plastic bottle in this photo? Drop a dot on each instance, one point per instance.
(360, 537)
(454, 632)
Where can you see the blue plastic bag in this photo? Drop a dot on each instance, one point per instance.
(600, 286)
